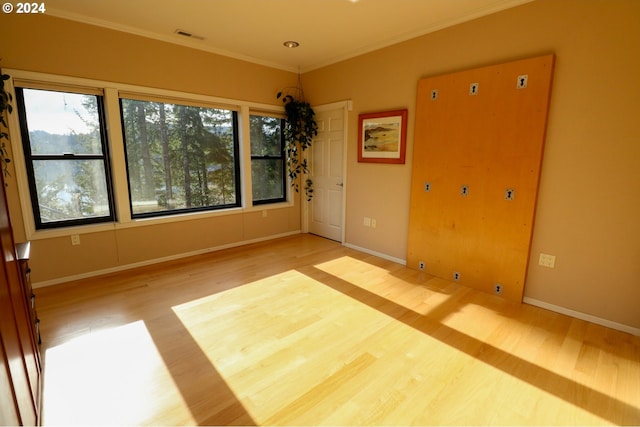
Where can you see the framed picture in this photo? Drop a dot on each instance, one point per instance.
(382, 137)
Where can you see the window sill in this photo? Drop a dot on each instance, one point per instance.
(143, 222)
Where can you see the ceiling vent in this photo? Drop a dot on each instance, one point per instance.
(188, 34)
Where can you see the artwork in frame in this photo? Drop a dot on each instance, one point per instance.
(382, 137)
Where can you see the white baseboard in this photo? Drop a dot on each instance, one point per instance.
(531, 301)
(156, 260)
(583, 316)
(378, 254)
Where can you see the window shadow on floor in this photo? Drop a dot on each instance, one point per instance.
(147, 295)
(208, 396)
(579, 395)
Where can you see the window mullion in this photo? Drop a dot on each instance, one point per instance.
(117, 152)
(19, 162)
(245, 155)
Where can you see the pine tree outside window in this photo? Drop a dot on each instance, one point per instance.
(267, 159)
(64, 142)
(180, 158)
(105, 154)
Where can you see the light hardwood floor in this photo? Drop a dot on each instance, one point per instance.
(303, 331)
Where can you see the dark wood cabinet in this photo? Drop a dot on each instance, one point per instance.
(20, 363)
(24, 252)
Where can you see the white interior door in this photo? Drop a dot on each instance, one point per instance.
(327, 160)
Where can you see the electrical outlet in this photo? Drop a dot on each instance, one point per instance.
(421, 265)
(547, 260)
(75, 239)
(374, 223)
(498, 288)
(367, 221)
(456, 276)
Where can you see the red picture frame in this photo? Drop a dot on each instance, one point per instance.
(382, 137)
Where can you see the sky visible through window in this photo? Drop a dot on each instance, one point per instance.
(55, 112)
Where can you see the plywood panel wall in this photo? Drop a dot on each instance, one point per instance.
(479, 138)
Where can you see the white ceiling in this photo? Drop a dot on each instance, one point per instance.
(254, 30)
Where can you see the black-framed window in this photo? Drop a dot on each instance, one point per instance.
(180, 158)
(66, 155)
(267, 159)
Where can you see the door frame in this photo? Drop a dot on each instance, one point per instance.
(345, 106)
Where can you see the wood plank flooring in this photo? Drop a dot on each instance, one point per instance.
(303, 331)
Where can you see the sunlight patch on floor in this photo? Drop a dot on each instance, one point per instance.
(325, 344)
(383, 283)
(293, 350)
(434, 301)
(282, 361)
(107, 377)
(286, 360)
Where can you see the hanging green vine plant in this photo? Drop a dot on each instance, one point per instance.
(5, 105)
(299, 131)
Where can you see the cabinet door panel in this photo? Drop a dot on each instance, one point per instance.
(12, 350)
(8, 410)
(15, 329)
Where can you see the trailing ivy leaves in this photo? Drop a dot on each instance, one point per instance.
(299, 131)
(5, 105)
